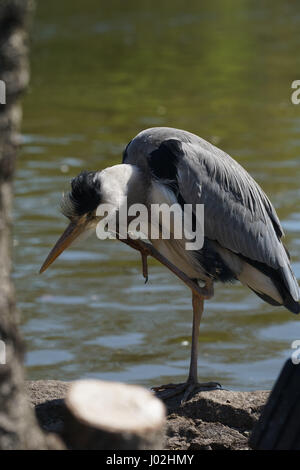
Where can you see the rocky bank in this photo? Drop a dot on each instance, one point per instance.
(212, 420)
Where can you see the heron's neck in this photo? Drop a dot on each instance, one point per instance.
(122, 181)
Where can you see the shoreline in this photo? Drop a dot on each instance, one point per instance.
(210, 420)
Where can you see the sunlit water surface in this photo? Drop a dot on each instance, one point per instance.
(101, 72)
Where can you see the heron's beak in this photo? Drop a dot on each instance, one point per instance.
(70, 234)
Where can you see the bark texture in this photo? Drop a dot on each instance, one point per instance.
(18, 427)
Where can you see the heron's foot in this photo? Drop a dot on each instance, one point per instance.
(187, 389)
(144, 256)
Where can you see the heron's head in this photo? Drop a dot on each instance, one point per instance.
(89, 190)
(79, 206)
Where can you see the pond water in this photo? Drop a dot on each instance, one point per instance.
(101, 72)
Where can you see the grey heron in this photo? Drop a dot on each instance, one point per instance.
(242, 232)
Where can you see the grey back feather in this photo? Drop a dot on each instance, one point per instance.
(238, 214)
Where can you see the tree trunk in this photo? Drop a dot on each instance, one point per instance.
(18, 426)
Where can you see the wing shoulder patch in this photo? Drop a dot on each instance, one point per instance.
(163, 161)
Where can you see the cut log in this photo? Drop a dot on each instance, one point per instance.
(113, 416)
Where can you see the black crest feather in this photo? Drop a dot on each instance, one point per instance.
(84, 196)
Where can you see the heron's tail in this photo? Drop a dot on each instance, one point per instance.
(275, 286)
(291, 291)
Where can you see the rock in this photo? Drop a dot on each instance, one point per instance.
(47, 396)
(41, 391)
(218, 419)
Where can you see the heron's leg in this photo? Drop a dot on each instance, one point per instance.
(199, 294)
(146, 249)
(198, 304)
(192, 384)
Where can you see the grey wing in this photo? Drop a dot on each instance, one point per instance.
(238, 214)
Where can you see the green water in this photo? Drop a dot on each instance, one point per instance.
(101, 72)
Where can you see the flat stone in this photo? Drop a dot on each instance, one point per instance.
(40, 391)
